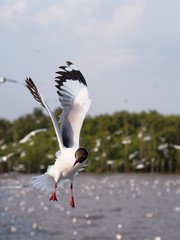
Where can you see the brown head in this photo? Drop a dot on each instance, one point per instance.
(81, 155)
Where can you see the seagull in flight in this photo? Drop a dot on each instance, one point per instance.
(75, 102)
(32, 133)
(4, 79)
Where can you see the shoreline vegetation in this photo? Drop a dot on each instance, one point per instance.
(146, 142)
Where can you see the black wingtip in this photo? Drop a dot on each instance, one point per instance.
(69, 63)
(69, 72)
(34, 91)
(29, 82)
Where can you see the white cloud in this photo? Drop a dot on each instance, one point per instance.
(129, 43)
(10, 11)
(117, 22)
(112, 37)
(125, 18)
(66, 12)
(137, 32)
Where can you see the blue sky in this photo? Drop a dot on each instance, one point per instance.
(128, 51)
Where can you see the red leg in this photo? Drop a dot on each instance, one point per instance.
(72, 203)
(53, 196)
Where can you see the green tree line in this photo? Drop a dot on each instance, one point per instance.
(120, 142)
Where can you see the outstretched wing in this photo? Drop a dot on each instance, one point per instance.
(34, 91)
(73, 96)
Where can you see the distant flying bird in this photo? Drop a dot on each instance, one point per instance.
(75, 102)
(32, 133)
(4, 79)
(175, 146)
(6, 157)
(164, 148)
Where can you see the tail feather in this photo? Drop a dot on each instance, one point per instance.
(43, 182)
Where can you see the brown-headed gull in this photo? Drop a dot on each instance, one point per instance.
(75, 102)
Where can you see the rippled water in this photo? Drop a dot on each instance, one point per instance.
(127, 207)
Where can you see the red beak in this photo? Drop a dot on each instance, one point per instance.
(75, 163)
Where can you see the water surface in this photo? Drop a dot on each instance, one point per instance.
(120, 206)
